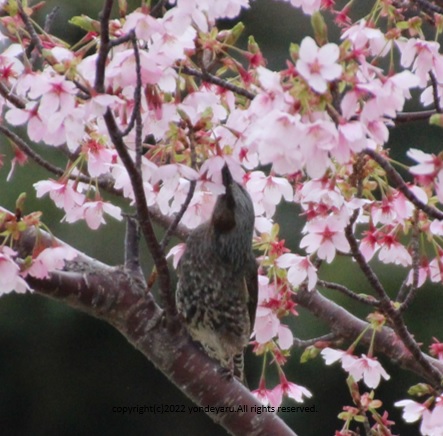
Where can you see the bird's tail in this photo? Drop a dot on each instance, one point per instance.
(239, 368)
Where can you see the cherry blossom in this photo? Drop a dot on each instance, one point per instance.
(366, 368)
(292, 390)
(50, 259)
(412, 411)
(10, 279)
(326, 237)
(299, 269)
(92, 212)
(63, 194)
(423, 56)
(364, 37)
(318, 65)
(392, 251)
(267, 396)
(267, 192)
(308, 6)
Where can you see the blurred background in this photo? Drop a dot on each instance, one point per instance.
(62, 372)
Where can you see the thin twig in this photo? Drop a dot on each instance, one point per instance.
(406, 295)
(365, 299)
(30, 152)
(137, 107)
(405, 117)
(184, 207)
(35, 40)
(435, 92)
(50, 18)
(103, 182)
(305, 343)
(207, 77)
(138, 87)
(122, 39)
(388, 309)
(6, 93)
(143, 214)
(429, 7)
(132, 252)
(401, 185)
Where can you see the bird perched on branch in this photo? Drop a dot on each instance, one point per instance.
(217, 279)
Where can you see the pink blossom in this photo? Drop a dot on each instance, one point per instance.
(277, 137)
(392, 251)
(285, 337)
(428, 164)
(436, 349)
(424, 57)
(29, 116)
(308, 6)
(92, 212)
(366, 368)
(318, 65)
(412, 411)
(199, 209)
(332, 355)
(326, 237)
(176, 253)
(266, 324)
(424, 272)
(367, 38)
(99, 157)
(320, 137)
(267, 192)
(272, 95)
(322, 192)
(300, 268)
(50, 259)
(55, 93)
(267, 396)
(393, 208)
(62, 194)
(10, 279)
(436, 270)
(121, 71)
(432, 421)
(351, 139)
(296, 392)
(11, 69)
(144, 25)
(439, 186)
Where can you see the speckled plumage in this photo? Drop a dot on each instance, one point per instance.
(217, 288)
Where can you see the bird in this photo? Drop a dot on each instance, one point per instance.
(216, 294)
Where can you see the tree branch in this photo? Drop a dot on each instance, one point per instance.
(112, 294)
(348, 326)
(207, 77)
(401, 185)
(135, 176)
(365, 299)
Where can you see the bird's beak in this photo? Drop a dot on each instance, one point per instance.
(226, 176)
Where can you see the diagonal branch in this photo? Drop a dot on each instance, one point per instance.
(208, 77)
(135, 175)
(401, 185)
(112, 294)
(348, 326)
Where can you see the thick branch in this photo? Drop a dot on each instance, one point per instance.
(349, 327)
(112, 294)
